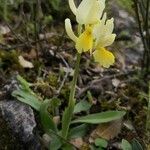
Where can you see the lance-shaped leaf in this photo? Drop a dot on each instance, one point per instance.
(100, 117)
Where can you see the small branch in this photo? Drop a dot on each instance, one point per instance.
(148, 116)
(98, 81)
(7, 48)
(146, 55)
(16, 36)
(146, 22)
(65, 77)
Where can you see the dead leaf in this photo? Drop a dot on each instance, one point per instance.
(106, 131)
(4, 30)
(24, 63)
(115, 82)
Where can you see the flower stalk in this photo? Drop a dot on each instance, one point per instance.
(74, 81)
(70, 109)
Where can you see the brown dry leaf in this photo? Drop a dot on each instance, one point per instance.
(24, 63)
(106, 131)
(4, 30)
(31, 55)
(115, 82)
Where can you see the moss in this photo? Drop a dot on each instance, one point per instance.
(9, 59)
(53, 79)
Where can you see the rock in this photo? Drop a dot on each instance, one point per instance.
(20, 118)
(11, 85)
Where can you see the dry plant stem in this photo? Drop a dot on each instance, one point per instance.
(146, 56)
(148, 116)
(146, 22)
(65, 77)
(36, 12)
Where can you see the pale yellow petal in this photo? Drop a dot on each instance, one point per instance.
(69, 30)
(107, 40)
(103, 33)
(90, 11)
(99, 32)
(104, 57)
(85, 41)
(110, 25)
(72, 6)
(99, 28)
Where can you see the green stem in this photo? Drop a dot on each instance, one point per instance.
(68, 113)
(74, 81)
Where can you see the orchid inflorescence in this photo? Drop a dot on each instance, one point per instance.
(96, 30)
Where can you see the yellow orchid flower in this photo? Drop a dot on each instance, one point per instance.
(104, 57)
(88, 11)
(104, 37)
(97, 34)
(84, 42)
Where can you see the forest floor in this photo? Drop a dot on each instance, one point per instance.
(120, 87)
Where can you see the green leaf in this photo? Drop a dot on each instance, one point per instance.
(79, 131)
(102, 117)
(54, 104)
(82, 106)
(136, 145)
(24, 84)
(125, 145)
(67, 147)
(66, 119)
(55, 4)
(55, 143)
(27, 98)
(101, 142)
(26, 95)
(46, 118)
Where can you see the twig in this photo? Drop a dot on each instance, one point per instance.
(66, 75)
(98, 81)
(24, 21)
(148, 115)
(16, 36)
(146, 50)
(7, 48)
(146, 21)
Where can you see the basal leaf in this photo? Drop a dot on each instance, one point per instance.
(125, 145)
(101, 142)
(79, 131)
(136, 145)
(82, 106)
(46, 118)
(66, 119)
(100, 117)
(24, 84)
(27, 98)
(55, 143)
